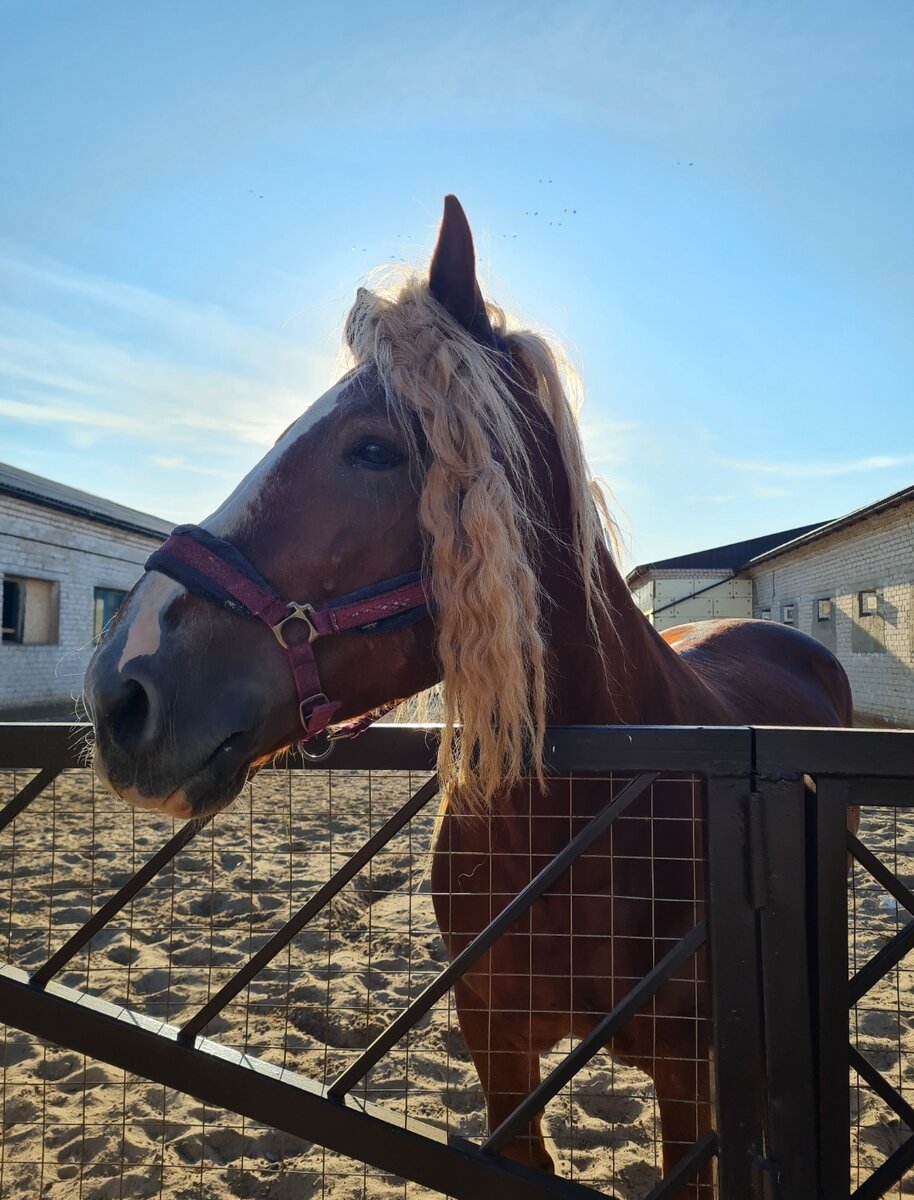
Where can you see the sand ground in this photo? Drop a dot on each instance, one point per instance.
(77, 1129)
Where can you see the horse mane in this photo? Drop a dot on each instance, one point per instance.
(483, 521)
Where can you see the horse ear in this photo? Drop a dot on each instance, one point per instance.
(452, 274)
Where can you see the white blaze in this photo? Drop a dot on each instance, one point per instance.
(144, 630)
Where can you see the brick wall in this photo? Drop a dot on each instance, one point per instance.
(877, 651)
(80, 555)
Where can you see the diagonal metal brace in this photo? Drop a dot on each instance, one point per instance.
(598, 1037)
(27, 794)
(482, 942)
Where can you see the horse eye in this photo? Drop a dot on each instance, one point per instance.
(375, 455)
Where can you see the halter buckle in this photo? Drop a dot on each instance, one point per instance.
(299, 613)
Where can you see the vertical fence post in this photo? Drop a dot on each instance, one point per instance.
(792, 1159)
(827, 826)
(736, 995)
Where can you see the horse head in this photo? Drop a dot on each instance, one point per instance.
(404, 511)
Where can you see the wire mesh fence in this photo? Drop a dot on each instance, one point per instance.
(882, 1019)
(199, 946)
(76, 1127)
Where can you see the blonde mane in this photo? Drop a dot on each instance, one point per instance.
(482, 522)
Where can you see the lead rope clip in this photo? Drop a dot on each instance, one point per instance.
(321, 754)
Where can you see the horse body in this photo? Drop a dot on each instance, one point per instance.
(625, 903)
(451, 447)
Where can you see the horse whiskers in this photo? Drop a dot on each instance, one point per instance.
(82, 743)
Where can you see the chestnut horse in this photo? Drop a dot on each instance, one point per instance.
(434, 506)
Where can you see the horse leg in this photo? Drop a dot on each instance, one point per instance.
(683, 1089)
(508, 1070)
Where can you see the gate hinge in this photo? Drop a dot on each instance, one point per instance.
(756, 851)
(768, 1178)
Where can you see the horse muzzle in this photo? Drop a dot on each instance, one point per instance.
(162, 744)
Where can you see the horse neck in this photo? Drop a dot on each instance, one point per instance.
(623, 672)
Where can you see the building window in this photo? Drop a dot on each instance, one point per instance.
(765, 614)
(30, 610)
(789, 614)
(824, 610)
(107, 602)
(13, 609)
(868, 603)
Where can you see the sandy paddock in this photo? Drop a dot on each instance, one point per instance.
(77, 1129)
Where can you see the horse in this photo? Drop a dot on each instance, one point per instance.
(434, 509)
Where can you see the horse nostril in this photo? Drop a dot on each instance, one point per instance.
(129, 715)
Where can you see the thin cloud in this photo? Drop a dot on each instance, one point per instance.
(720, 498)
(766, 491)
(182, 465)
(123, 361)
(820, 470)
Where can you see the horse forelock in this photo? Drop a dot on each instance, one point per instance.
(483, 521)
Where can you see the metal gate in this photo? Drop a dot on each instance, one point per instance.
(775, 924)
(824, 957)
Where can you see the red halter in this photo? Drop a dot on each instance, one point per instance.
(216, 570)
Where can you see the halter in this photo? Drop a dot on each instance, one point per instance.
(213, 568)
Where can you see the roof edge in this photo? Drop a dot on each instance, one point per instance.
(830, 527)
(734, 561)
(78, 510)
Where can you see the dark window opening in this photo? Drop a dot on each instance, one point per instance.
(30, 610)
(107, 602)
(13, 610)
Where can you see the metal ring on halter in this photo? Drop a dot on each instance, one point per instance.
(322, 754)
(300, 612)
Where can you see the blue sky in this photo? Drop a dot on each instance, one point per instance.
(192, 193)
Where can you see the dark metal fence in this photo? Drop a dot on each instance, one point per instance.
(780, 923)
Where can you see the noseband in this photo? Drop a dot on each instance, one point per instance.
(213, 568)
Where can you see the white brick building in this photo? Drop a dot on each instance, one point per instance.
(66, 559)
(701, 586)
(851, 585)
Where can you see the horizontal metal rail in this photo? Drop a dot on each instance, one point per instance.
(569, 749)
(715, 750)
(388, 747)
(876, 754)
(839, 753)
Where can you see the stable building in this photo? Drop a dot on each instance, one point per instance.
(850, 584)
(702, 586)
(67, 559)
